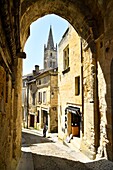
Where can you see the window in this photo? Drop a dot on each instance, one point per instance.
(53, 64)
(66, 57)
(44, 80)
(51, 54)
(44, 97)
(39, 82)
(33, 99)
(50, 63)
(40, 97)
(38, 117)
(24, 83)
(77, 85)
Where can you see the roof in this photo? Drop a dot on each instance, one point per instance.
(47, 71)
(32, 78)
(50, 43)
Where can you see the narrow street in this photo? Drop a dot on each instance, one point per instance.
(39, 153)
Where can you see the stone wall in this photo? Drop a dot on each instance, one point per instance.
(105, 85)
(66, 81)
(88, 145)
(54, 103)
(10, 118)
(100, 136)
(17, 113)
(10, 106)
(105, 92)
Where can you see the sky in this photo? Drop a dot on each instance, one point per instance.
(39, 31)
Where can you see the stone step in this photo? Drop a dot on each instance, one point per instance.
(76, 142)
(71, 146)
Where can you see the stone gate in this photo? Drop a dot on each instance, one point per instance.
(93, 22)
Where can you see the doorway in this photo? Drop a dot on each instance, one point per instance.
(75, 124)
(45, 117)
(31, 120)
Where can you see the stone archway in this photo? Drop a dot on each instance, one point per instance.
(90, 22)
(87, 24)
(91, 19)
(93, 22)
(83, 17)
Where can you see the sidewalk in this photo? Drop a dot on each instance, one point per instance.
(50, 142)
(26, 160)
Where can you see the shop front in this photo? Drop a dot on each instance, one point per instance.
(73, 120)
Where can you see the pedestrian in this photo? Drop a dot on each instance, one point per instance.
(44, 130)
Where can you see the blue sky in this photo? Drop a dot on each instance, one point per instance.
(39, 31)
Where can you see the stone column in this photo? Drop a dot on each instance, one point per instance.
(90, 139)
(17, 116)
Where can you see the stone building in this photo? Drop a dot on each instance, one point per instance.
(93, 21)
(41, 105)
(83, 79)
(47, 100)
(41, 100)
(69, 83)
(28, 97)
(31, 103)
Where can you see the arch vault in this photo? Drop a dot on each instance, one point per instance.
(93, 22)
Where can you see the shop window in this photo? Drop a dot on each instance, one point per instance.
(74, 119)
(77, 85)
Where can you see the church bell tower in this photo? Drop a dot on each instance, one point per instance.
(50, 53)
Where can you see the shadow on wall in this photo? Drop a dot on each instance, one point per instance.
(106, 132)
(111, 74)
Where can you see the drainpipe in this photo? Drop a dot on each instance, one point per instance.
(82, 87)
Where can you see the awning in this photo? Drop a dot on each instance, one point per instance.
(74, 110)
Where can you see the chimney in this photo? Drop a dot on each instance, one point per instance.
(34, 72)
(37, 68)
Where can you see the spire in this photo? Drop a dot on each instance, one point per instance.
(50, 44)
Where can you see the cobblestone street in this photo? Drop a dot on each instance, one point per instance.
(40, 153)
